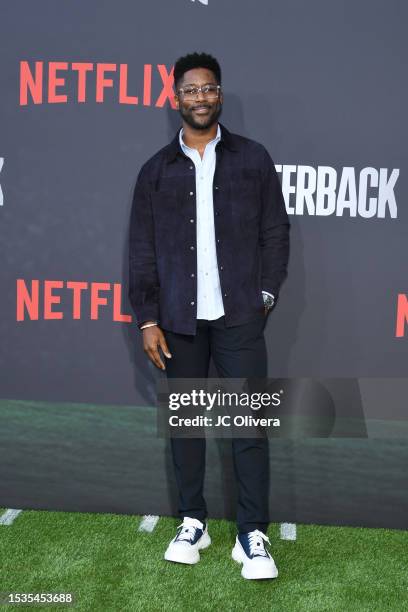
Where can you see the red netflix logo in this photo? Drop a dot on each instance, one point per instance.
(402, 315)
(35, 89)
(52, 292)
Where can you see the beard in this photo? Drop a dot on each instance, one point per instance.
(204, 122)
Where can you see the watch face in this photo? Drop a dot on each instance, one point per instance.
(268, 301)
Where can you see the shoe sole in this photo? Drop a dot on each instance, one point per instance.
(252, 573)
(172, 554)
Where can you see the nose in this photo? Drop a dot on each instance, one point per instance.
(200, 96)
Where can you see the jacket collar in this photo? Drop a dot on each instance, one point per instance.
(227, 139)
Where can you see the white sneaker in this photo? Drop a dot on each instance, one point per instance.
(192, 536)
(256, 560)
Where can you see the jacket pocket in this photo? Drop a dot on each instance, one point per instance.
(245, 196)
(165, 217)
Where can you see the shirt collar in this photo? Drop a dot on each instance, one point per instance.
(184, 146)
(227, 139)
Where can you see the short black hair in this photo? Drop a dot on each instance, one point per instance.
(195, 60)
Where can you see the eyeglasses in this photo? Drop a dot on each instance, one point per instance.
(208, 91)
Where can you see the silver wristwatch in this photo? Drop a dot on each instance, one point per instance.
(268, 299)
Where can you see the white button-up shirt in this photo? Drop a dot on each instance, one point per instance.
(209, 298)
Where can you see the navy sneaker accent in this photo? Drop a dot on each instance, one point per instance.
(253, 543)
(189, 532)
(250, 550)
(191, 537)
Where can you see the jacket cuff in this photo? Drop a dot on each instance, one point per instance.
(270, 287)
(146, 313)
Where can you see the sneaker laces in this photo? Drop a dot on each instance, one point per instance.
(256, 543)
(189, 527)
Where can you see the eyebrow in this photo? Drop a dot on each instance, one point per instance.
(196, 85)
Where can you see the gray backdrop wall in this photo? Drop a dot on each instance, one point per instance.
(84, 102)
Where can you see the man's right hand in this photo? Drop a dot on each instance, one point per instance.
(153, 338)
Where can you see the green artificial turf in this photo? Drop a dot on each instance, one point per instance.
(110, 566)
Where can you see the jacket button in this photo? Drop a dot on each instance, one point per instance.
(192, 248)
(192, 275)
(191, 220)
(191, 167)
(218, 239)
(217, 213)
(216, 186)
(221, 267)
(191, 192)
(225, 294)
(192, 303)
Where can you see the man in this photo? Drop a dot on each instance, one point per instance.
(209, 246)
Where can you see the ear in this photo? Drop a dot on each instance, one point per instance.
(176, 101)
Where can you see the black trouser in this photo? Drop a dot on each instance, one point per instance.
(238, 352)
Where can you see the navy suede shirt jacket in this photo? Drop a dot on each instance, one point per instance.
(251, 231)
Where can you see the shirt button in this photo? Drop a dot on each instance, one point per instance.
(191, 248)
(192, 303)
(191, 220)
(191, 192)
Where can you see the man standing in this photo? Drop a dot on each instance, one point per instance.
(208, 249)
